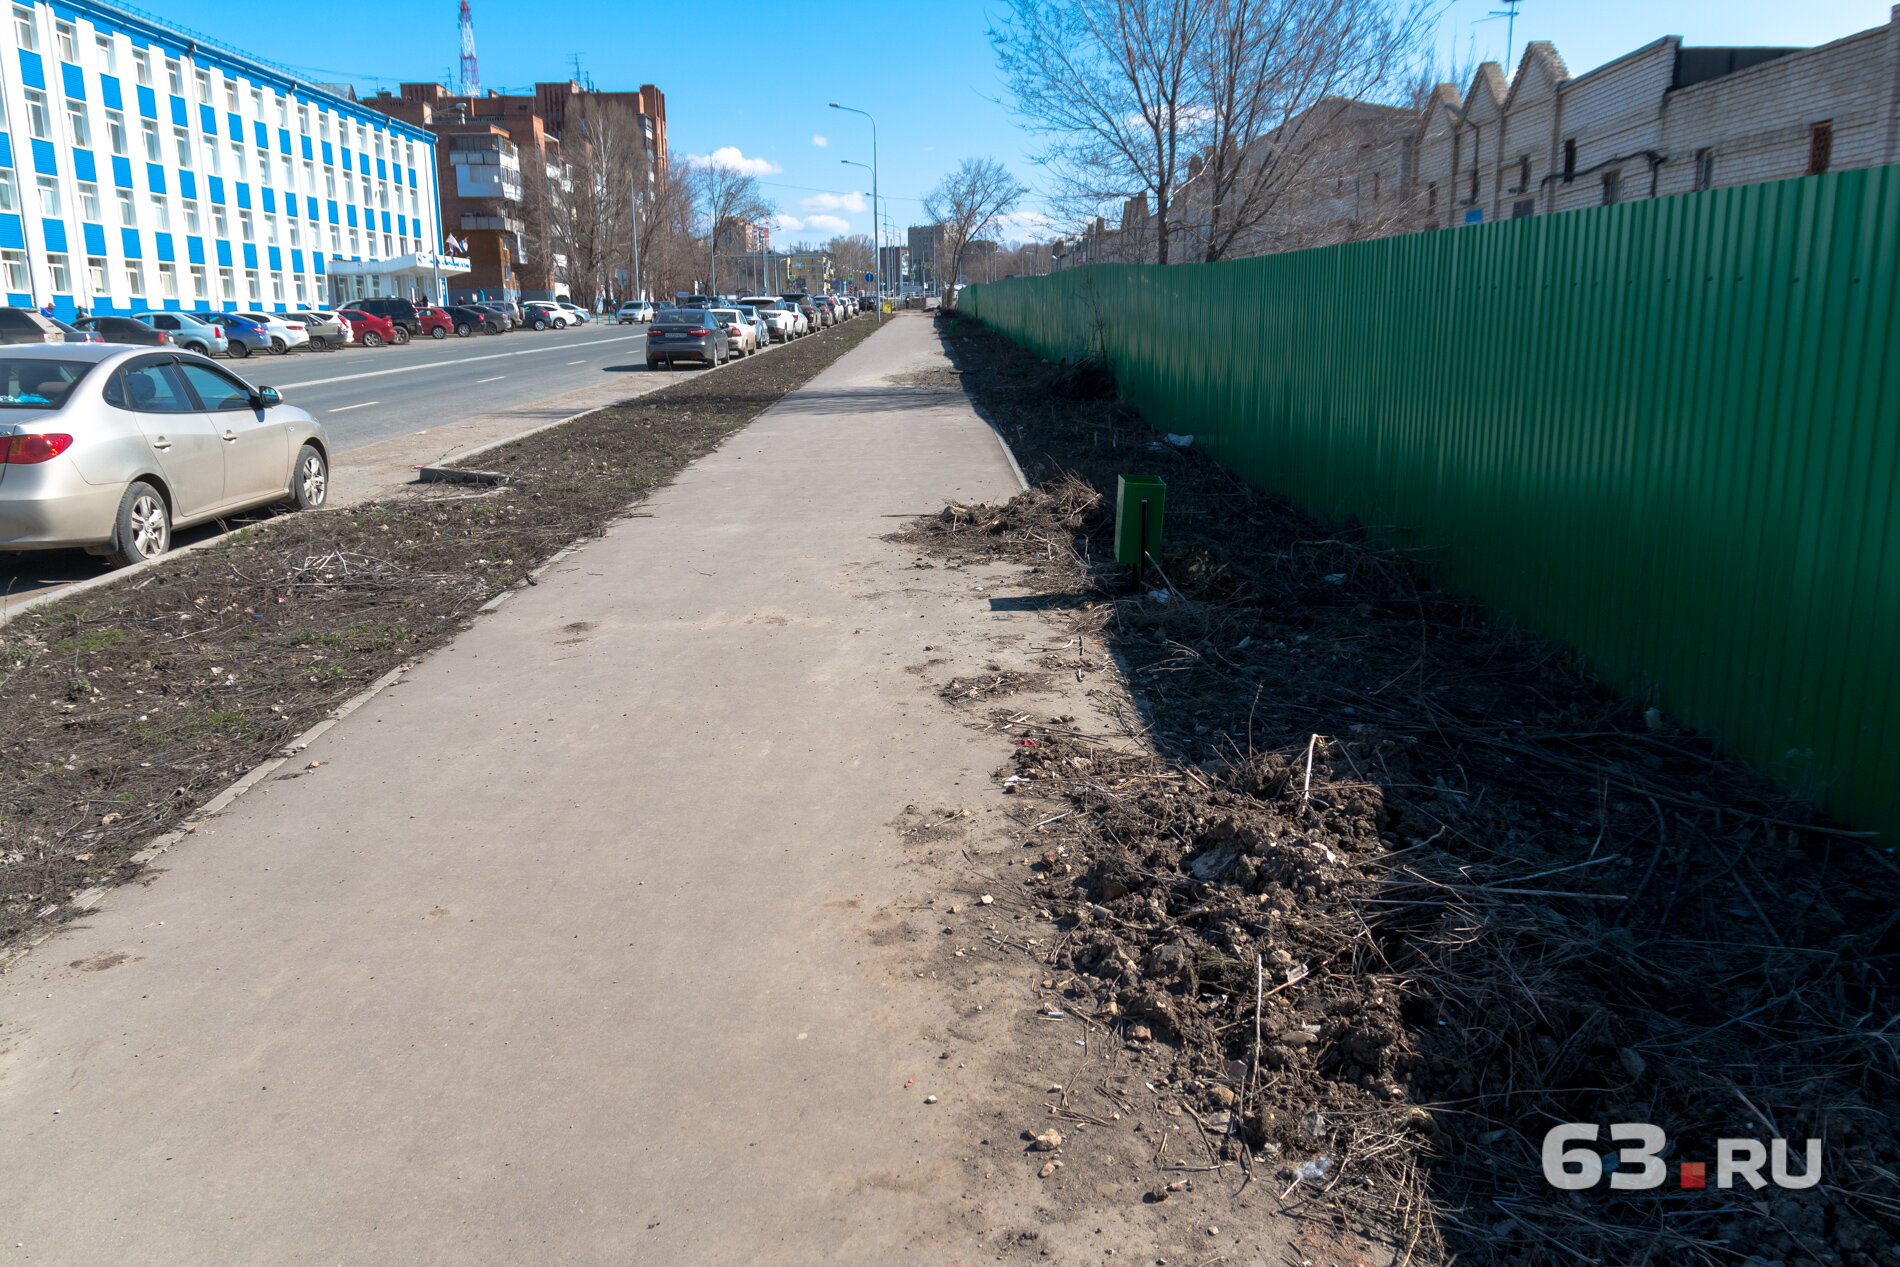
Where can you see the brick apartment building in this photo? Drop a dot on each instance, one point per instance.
(1664, 119)
(484, 146)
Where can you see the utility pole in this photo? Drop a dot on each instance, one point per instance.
(634, 192)
(875, 261)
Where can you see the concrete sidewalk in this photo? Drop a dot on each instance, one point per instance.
(567, 952)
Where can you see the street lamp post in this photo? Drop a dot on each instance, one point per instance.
(875, 261)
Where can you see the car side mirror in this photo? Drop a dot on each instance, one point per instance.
(267, 397)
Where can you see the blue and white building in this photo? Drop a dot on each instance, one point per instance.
(147, 167)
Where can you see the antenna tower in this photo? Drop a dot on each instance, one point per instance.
(471, 85)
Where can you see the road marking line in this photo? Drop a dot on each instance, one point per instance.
(460, 360)
(343, 409)
(496, 379)
(577, 362)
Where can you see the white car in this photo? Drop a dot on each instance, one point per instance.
(739, 329)
(787, 321)
(576, 314)
(634, 310)
(285, 333)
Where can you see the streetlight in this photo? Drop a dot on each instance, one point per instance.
(876, 262)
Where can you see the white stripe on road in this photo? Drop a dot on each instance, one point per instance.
(496, 379)
(346, 408)
(460, 360)
(577, 362)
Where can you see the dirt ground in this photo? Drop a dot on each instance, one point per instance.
(1355, 893)
(123, 709)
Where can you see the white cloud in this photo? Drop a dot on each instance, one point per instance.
(1024, 226)
(821, 141)
(827, 224)
(733, 159)
(834, 202)
(788, 224)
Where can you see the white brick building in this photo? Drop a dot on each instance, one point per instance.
(143, 167)
(1664, 119)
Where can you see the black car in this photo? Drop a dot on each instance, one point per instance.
(470, 320)
(123, 330)
(503, 318)
(23, 325)
(398, 312)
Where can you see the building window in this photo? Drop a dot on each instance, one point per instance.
(142, 66)
(1431, 196)
(263, 167)
(230, 95)
(214, 157)
(203, 80)
(81, 129)
(39, 124)
(89, 202)
(115, 132)
(108, 54)
(257, 103)
(1704, 169)
(1523, 173)
(96, 274)
(9, 196)
(127, 216)
(49, 196)
(1612, 188)
(13, 266)
(220, 223)
(25, 31)
(61, 273)
(251, 285)
(227, 283)
(153, 151)
(161, 213)
(247, 230)
(68, 37)
(168, 281)
(1523, 208)
(1570, 160)
(198, 290)
(181, 141)
(1820, 147)
(175, 76)
(194, 220)
(134, 279)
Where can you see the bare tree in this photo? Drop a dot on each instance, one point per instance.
(728, 199)
(966, 205)
(1111, 83)
(852, 255)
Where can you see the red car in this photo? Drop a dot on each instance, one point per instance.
(368, 329)
(435, 323)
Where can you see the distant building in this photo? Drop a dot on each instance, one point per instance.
(925, 241)
(806, 270)
(147, 168)
(488, 145)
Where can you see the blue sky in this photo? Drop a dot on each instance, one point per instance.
(758, 83)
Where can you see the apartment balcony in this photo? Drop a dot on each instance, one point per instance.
(494, 223)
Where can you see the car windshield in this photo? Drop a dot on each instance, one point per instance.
(37, 383)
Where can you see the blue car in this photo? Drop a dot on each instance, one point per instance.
(245, 336)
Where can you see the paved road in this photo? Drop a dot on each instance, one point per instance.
(367, 395)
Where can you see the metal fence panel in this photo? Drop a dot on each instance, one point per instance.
(1664, 433)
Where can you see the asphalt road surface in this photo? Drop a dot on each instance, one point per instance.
(365, 395)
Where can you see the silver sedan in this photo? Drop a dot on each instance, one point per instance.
(109, 448)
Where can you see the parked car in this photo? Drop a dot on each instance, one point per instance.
(124, 330)
(475, 321)
(507, 307)
(325, 328)
(369, 329)
(24, 325)
(761, 328)
(802, 302)
(540, 314)
(745, 339)
(634, 310)
(575, 313)
(285, 332)
(780, 317)
(193, 333)
(435, 322)
(244, 337)
(398, 312)
(110, 448)
(503, 319)
(687, 334)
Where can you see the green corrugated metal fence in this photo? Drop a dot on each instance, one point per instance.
(1665, 433)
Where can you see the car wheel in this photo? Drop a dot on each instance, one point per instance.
(278, 347)
(540, 324)
(309, 479)
(372, 340)
(319, 343)
(461, 330)
(560, 323)
(401, 335)
(199, 348)
(439, 332)
(240, 350)
(143, 529)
